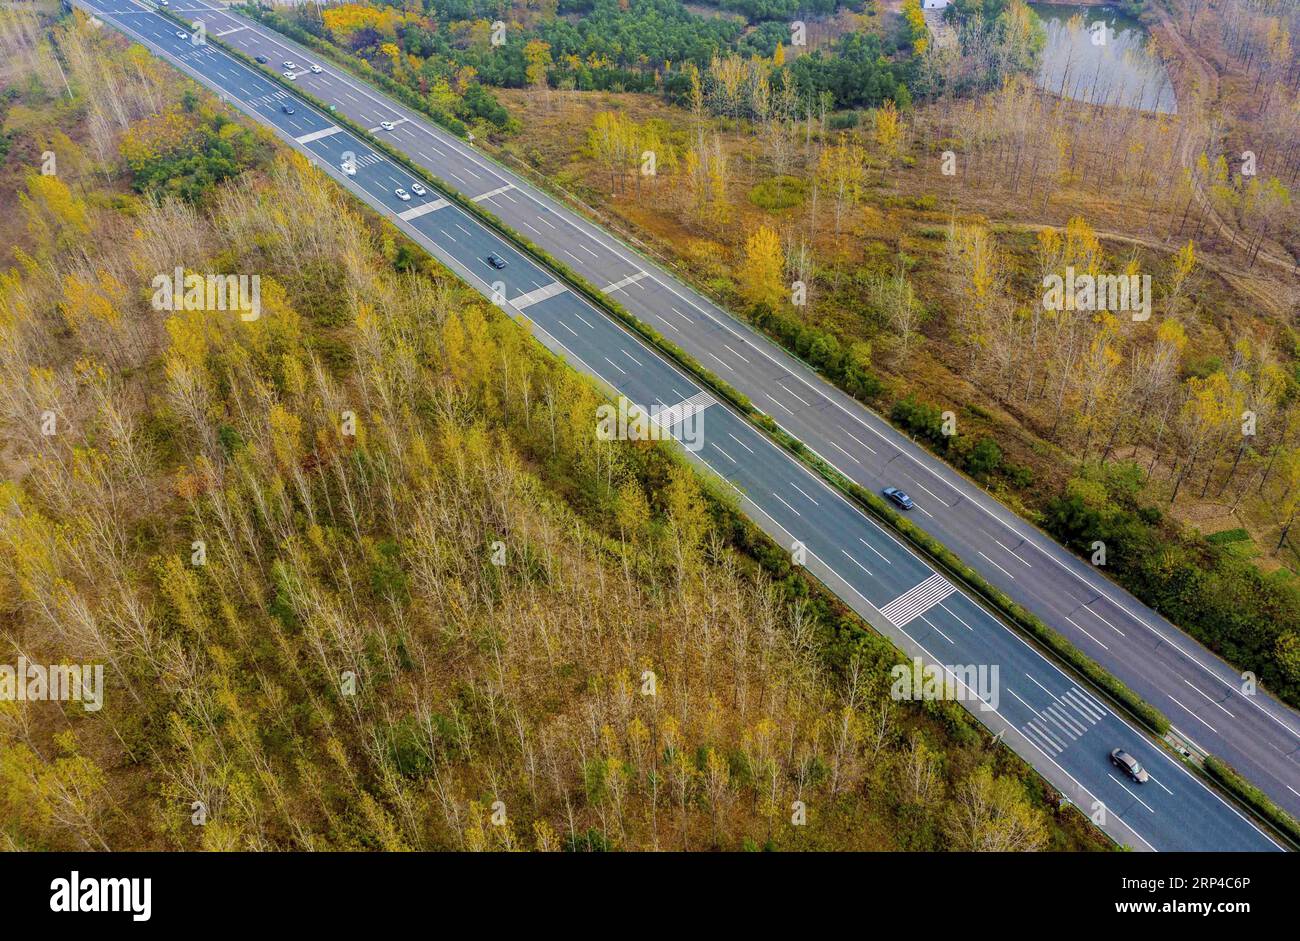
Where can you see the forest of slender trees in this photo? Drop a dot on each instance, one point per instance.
(359, 571)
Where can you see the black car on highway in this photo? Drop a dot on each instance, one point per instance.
(898, 498)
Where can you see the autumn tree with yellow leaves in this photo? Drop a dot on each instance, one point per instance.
(762, 275)
(842, 173)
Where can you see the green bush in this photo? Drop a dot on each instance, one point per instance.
(850, 369)
(983, 458)
(1018, 475)
(923, 419)
(218, 150)
(779, 193)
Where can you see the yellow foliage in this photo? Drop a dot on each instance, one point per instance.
(345, 20)
(916, 22)
(762, 274)
(889, 129)
(54, 215)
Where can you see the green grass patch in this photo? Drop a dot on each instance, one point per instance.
(1227, 536)
(779, 193)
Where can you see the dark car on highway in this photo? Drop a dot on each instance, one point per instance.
(1129, 765)
(898, 498)
(262, 59)
(496, 261)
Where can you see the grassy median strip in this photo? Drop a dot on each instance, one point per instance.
(933, 551)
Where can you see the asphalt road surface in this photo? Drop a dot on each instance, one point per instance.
(1065, 732)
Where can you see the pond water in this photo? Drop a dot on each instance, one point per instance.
(1078, 64)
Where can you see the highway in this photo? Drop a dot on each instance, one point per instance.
(1062, 730)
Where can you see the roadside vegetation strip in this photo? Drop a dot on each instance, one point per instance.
(930, 548)
(1227, 778)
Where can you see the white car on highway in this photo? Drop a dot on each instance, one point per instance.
(402, 194)
(316, 70)
(290, 76)
(386, 125)
(419, 190)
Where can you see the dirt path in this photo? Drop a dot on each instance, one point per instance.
(1274, 302)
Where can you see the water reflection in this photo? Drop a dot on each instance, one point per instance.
(1119, 71)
